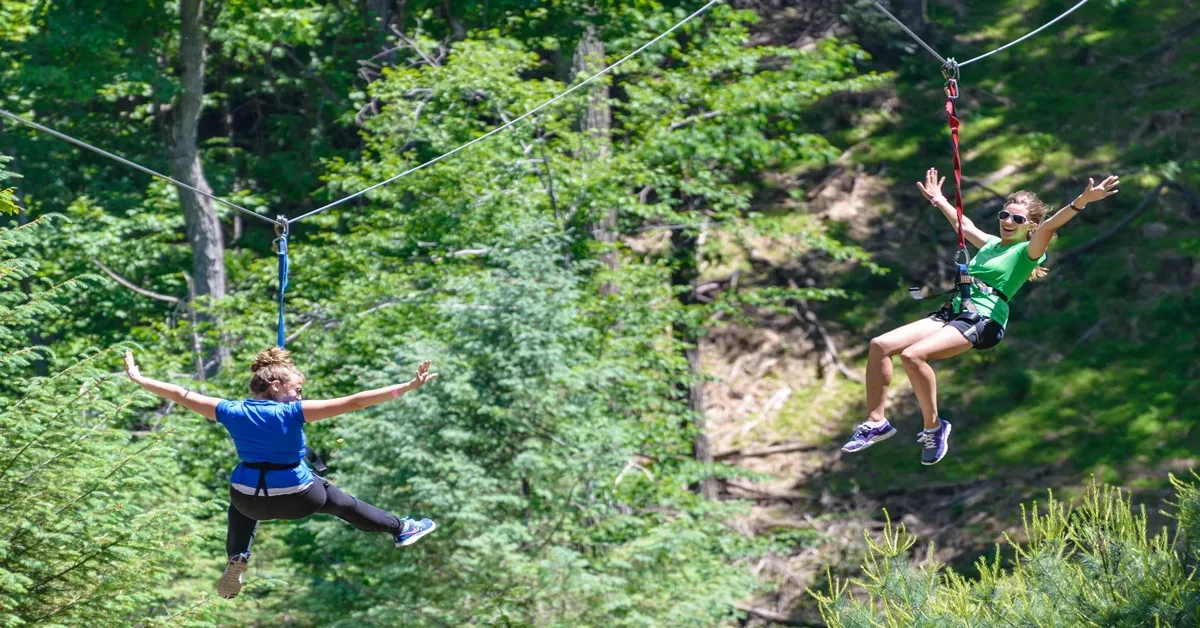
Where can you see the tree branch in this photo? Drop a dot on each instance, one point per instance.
(774, 617)
(783, 448)
(128, 284)
(321, 82)
(831, 353)
(696, 118)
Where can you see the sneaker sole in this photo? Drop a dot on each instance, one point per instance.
(230, 584)
(417, 537)
(946, 441)
(877, 439)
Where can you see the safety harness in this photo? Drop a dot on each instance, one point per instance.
(262, 468)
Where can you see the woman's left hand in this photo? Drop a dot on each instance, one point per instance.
(1094, 192)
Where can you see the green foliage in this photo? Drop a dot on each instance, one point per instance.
(556, 449)
(516, 451)
(1096, 564)
(92, 525)
(8, 200)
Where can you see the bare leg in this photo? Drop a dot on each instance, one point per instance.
(879, 360)
(946, 343)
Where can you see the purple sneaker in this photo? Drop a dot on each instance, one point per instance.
(866, 435)
(935, 444)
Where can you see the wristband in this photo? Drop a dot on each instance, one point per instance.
(934, 200)
(1078, 209)
(395, 393)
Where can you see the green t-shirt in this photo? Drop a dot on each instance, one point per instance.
(1003, 267)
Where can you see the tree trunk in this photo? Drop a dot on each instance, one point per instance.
(458, 30)
(382, 11)
(686, 252)
(203, 225)
(596, 122)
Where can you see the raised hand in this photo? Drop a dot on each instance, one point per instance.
(932, 186)
(423, 375)
(1094, 192)
(131, 367)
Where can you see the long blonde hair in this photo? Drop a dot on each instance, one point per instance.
(1036, 211)
(271, 365)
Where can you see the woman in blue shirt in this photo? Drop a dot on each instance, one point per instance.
(272, 481)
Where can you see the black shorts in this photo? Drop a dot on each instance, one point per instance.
(983, 332)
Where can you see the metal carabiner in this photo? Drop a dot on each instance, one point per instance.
(950, 73)
(281, 233)
(962, 257)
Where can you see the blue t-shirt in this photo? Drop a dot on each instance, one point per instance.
(266, 431)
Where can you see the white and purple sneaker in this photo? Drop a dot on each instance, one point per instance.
(412, 531)
(867, 434)
(935, 443)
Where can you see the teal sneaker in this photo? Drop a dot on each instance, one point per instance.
(411, 531)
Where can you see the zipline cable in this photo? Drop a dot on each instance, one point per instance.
(118, 158)
(912, 34)
(951, 62)
(516, 120)
(1031, 34)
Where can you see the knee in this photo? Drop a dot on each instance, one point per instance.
(911, 358)
(879, 347)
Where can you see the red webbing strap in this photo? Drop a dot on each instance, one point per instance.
(951, 95)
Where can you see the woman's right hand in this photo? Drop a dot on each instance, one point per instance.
(131, 367)
(423, 375)
(932, 186)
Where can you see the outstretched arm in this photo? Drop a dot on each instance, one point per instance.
(191, 400)
(931, 188)
(329, 408)
(1040, 240)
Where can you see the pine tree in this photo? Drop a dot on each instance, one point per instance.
(86, 533)
(1095, 564)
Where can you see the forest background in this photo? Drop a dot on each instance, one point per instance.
(649, 303)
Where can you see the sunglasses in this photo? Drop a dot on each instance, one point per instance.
(1016, 218)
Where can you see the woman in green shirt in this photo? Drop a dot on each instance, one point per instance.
(1001, 266)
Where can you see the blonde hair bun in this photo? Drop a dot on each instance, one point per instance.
(271, 357)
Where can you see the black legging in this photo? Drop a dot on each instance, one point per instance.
(245, 511)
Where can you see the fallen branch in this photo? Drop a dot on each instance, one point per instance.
(830, 347)
(768, 410)
(787, 497)
(775, 617)
(783, 448)
(128, 284)
(714, 284)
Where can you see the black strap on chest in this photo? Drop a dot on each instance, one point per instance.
(263, 467)
(915, 291)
